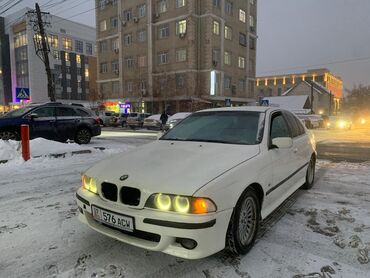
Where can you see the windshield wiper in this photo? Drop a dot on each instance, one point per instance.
(209, 141)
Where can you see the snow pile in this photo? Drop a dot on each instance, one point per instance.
(42, 147)
(8, 150)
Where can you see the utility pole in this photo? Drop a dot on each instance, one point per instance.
(41, 45)
(312, 97)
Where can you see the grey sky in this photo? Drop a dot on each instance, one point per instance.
(292, 34)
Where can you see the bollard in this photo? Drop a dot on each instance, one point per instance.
(25, 135)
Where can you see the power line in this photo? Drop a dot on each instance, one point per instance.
(318, 65)
(15, 4)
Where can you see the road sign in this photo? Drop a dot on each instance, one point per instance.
(23, 93)
(265, 102)
(227, 102)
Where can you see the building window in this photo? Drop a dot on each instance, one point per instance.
(113, 22)
(129, 62)
(163, 57)
(252, 2)
(103, 25)
(216, 56)
(181, 55)
(115, 66)
(115, 87)
(56, 54)
(180, 81)
(128, 39)
(86, 73)
(217, 3)
(251, 21)
(127, 15)
(142, 86)
(115, 44)
(228, 33)
(130, 86)
(103, 68)
(103, 46)
(79, 47)
(181, 27)
(180, 3)
(78, 59)
(241, 62)
(67, 43)
(252, 43)
(162, 6)
(242, 84)
(20, 39)
(164, 31)
(53, 41)
(242, 16)
(141, 35)
(216, 27)
(251, 67)
(228, 7)
(227, 58)
(141, 61)
(102, 4)
(66, 56)
(141, 10)
(227, 82)
(242, 39)
(89, 48)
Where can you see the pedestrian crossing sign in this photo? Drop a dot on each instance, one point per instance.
(23, 93)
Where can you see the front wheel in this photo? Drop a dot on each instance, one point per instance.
(9, 135)
(310, 174)
(244, 223)
(83, 136)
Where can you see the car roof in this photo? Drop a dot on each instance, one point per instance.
(262, 109)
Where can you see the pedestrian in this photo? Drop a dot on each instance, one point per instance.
(164, 118)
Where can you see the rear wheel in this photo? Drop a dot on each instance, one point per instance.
(244, 223)
(310, 174)
(9, 135)
(83, 136)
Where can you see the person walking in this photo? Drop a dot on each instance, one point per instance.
(164, 118)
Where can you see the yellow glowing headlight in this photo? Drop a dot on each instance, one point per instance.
(89, 184)
(328, 124)
(163, 202)
(363, 121)
(182, 204)
(342, 124)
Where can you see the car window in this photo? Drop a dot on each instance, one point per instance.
(108, 114)
(294, 124)
(45, 112)
(279, 127)
(83, 113)
(65, 112)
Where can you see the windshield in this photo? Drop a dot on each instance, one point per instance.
(19, 112)
(228, 127)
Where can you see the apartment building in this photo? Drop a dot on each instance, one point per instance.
(72, 60)
(277, 85)
(179, 55)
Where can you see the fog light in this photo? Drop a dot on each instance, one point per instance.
(187, 243)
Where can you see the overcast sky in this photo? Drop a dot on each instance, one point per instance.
(294, 35)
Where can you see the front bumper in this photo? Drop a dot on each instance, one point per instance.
(160, 229)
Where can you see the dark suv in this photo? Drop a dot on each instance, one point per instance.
(54, 121)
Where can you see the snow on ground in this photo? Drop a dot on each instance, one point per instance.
(8, 150)
(324, 232)
(360, 135)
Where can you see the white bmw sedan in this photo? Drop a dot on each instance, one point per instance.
(204, 185)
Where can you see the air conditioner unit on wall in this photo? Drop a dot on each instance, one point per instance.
(116, 50)
(136, 20)
(182, 35)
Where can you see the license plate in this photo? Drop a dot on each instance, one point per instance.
(119, 221)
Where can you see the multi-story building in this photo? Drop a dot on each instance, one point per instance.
(177, 54)
(277, 85)
(72, 60)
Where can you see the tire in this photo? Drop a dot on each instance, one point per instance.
(132, 127)
(310, 174)
(9, 135)
(241, 235)
(83, 136)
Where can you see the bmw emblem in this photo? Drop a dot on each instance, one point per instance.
(123, 178)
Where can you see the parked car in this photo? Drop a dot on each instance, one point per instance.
(105, 117)
(153, 122)
(205, 184)
(136, 120)
(175, 119)
(123, 119)
(53, 121)
(311, 120)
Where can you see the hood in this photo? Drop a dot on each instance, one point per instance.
(172, 167)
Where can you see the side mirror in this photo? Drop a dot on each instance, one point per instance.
(33, 116)
(282, 143)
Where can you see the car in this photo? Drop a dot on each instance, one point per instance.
(339, 122)
(123, 119)
(311, 120)
(53, 121)
(105, 117)
(175, 119)
(136, 120)
(204, 185)
(153, 122)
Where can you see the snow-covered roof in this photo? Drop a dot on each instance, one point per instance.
(289, 102)
(177, 116)
(239, 108)
(154, 117)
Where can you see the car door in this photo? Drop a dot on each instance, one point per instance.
(283, 163)
(67, 123)
(42, 123)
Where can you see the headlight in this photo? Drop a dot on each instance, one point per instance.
(180, 204)
(363, 121)
(342, 124)
(89, 184)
